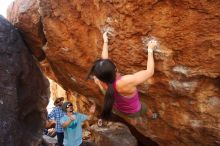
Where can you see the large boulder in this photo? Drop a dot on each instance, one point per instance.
(49, 141)
(23, 91)
(113, 134)
(185, 88)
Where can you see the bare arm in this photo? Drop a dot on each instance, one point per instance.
(139, 77)
(65, 124)
(99, 85)
(105, 46)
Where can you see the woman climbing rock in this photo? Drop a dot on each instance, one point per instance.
(121, 91)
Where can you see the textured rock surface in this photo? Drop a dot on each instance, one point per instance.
(114, 134)
(49, 141)
(56, 91)
(185, 87)
(23, 91)
(34, 36)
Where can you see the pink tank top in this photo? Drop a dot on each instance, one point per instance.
(126, 105)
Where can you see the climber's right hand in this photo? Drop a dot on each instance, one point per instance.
(151, 45)
(105, 37)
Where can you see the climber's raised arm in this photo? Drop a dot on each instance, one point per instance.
(137, 78)
(105, 46)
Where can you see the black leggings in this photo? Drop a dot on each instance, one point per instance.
(60, 137)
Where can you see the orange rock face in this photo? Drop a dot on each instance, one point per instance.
(185, 88)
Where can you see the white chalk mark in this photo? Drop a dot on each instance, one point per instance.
(110, 30)
(214, 101)
(195, 123)
(65, 49)
(109, 20)
(189, 86)
(73, 79)
(181, 69)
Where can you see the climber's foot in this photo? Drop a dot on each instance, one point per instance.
(103, 123)
(133, 121)
(152, 115)
(100, 123)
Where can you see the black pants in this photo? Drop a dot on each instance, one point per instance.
(60, 137)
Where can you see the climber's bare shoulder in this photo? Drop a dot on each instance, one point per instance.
(126, 85)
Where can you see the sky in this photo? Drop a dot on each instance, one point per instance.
(3, 6)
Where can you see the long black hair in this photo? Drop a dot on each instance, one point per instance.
(105, 70)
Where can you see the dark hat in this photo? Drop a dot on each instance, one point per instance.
(64, 106)
(58, 99)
